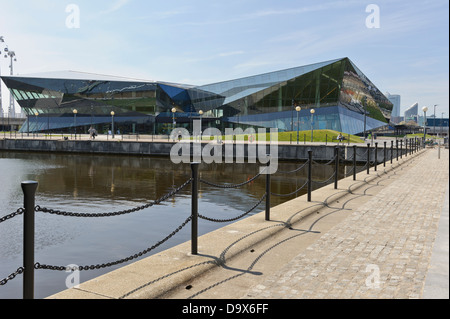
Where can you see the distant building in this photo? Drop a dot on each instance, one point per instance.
(396, 101)
(412, 113)
(437, 126)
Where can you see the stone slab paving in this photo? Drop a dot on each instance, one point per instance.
(383, 250)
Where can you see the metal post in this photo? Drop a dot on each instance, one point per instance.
(354, 162)
(401, 149)
(194, 209)
(392, 151)
(268, 192)
(309, 175)
(376, 156)
(406, 147)
(439, 150)
(396, 149)
(29, 191)
(384, 155)
(336, 167)
(368, 158)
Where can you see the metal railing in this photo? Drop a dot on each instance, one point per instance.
(30, 208)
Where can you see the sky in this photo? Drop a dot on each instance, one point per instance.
(401, 46)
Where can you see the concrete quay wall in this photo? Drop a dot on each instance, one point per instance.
(147, 148)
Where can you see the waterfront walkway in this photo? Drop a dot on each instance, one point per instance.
(384, 235)
(394, 246)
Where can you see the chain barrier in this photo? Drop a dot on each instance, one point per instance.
(327, 163)
(20, 211)
(290, 194)
(232, 185)
(326, 181)
(295, 170)
(118, 262)
(235, 218)
(19, 271)
(350, 171)
(123, 212)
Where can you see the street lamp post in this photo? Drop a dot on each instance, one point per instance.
(75, 112)
(36, 128)
(312, 123)
(112, 123)
(174, 110)
(201, 131)
(298, 109)
(425, 109)
(12, 56)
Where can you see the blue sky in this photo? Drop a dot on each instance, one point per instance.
(200, 42)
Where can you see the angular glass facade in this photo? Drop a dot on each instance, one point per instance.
(343, 98)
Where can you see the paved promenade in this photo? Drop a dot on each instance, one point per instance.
(394, 246)
(384, 235)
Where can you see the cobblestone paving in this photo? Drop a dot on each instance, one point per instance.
(382, 250)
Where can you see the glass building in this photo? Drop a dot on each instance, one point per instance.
(343, 99)
(412, 113)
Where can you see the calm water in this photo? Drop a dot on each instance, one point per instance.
(100, 184)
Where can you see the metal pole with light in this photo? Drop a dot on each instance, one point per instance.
(312, 124)
(425, 109)
(201, 131)
(298, 109)
(75, 112)
(36, 128)
(12, 56)
(112, 123)
(174, 110)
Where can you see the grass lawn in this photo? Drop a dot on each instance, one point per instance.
(318, 136)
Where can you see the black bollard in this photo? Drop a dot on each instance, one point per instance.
(336, 168)
(368, 159)
(309, 175)
(29, 191)
(392, 151)
(396, 149)
(268, 191)
(194, 209)
(376, 156)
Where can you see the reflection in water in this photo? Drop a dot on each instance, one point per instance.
(99, 184)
